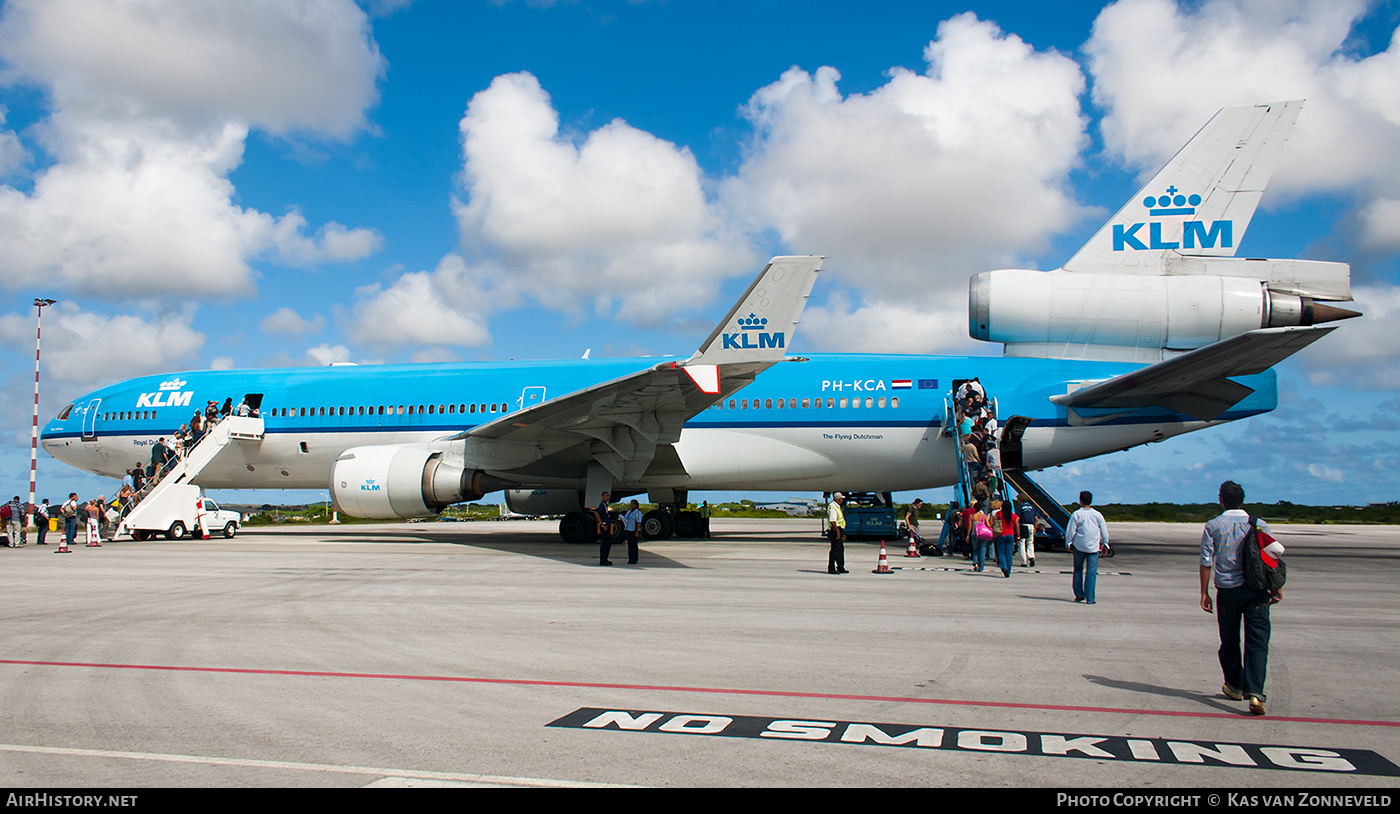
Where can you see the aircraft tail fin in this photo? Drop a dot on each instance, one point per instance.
(1201, 202)
(760, 325)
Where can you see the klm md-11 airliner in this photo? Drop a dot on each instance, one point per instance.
(1153, 329)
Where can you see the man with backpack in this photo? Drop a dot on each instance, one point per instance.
(1228, 544)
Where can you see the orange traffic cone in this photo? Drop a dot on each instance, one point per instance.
(913, 548)
(884, 566)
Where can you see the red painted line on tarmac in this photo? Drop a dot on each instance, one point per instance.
(596, 685)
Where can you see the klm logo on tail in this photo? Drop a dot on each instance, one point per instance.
(751, 335)
(1197, 234)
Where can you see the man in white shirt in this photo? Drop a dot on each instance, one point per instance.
(1086, 535)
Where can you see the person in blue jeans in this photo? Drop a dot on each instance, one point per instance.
(949, 535)
(1086, 535)
(1236, 603)
(980, 544)
(1004, 524)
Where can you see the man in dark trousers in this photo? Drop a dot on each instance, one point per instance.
(1221, 553)
(836, 533)
(604, 530)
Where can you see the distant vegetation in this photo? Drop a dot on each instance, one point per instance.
(1281, 512)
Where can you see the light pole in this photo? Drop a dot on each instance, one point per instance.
(39, 303)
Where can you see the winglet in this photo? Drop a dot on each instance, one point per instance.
(760, 325)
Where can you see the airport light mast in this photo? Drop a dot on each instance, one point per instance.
(39, 303)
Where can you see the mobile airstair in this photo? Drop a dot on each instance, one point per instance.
(168, 504)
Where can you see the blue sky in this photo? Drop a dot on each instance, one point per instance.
(272, 183)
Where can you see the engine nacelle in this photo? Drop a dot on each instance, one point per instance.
(1062, 313)
(404, 481)
(538, 502)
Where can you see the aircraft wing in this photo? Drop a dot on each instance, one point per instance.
(1196, 383)
(627, 424)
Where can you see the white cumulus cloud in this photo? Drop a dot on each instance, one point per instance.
(83, 350)
(447, 306)
(287, 322)
(152, 104)
(928, 178)
(1158, 73)
(618, 219)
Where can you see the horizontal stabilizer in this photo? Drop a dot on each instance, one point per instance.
(1196, 383)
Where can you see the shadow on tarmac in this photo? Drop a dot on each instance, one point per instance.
(1205, 699)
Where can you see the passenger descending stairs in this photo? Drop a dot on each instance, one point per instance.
(154, 502)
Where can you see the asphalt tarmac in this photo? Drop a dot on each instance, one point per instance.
(494, 654)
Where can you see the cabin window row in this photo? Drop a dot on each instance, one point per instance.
(870, 402)
(129, 415)
(387, 409)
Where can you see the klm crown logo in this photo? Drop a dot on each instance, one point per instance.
(752, 335)
(1172, 203)
(1195, 234)
(174, 384)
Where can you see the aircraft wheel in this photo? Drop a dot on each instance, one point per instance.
(577, 528)
(177, 531)
(656, 525)
(688, 524)
(230, 529)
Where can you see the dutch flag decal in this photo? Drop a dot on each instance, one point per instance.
(901, 384)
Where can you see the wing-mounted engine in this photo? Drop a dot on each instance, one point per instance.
(405, 480)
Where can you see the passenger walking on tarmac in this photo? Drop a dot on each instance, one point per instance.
(1005, 526)
(69, 510)
(94, 531)
(1086, 535)
(948, 536)
(14, 522)
(1025, 544)
(979, 535)
(632, 523)
(836, 534)
(704, 518)
(41, 520)
(604, 531)
(1222, 552)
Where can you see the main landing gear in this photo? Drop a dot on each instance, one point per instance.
(579, 528)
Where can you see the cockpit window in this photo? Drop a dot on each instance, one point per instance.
(63, 414)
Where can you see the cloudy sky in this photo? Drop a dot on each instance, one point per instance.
(257, 183)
